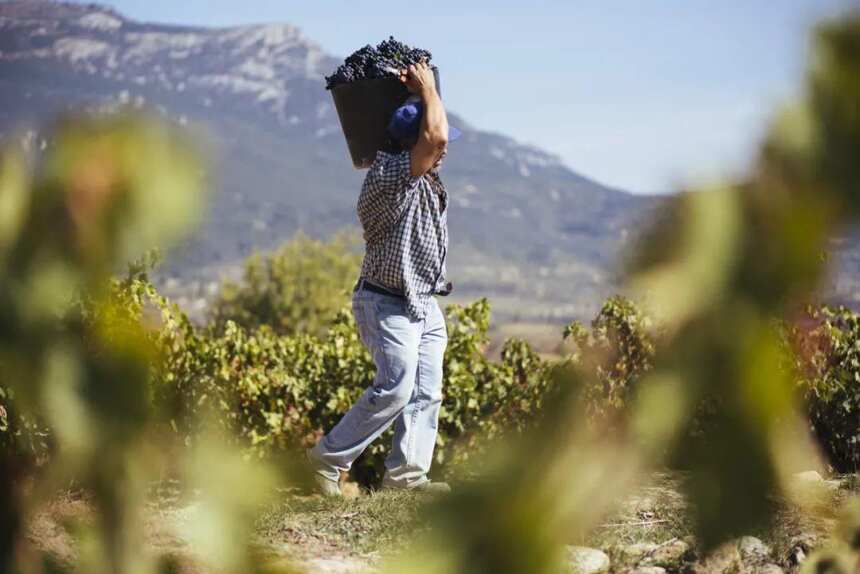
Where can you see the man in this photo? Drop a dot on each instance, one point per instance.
(403, 210)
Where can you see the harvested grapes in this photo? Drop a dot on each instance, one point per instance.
(383, 61)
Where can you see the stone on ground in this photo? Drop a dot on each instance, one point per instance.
(670, 555)
(801, 546)
(585, 560)
(753, 550)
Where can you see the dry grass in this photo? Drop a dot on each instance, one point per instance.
(795, 528)
(655, 512)
(347, 535)
(50, 529)
(367, 525)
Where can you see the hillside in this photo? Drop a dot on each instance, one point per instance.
(527, 231)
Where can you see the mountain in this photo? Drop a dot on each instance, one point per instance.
(537, 238)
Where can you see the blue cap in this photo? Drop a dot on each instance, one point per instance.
(406, 121)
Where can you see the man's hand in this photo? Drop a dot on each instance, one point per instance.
(419, 78)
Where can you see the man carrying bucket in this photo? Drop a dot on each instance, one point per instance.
(403, 211)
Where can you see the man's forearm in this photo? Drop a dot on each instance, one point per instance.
(434, 124)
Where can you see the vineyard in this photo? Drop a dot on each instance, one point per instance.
(276, 387)
(719, 375)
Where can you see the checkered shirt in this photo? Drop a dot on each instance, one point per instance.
(405, 221)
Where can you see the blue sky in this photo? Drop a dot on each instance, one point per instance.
(644, 95)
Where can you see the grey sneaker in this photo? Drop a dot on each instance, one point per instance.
(327, 487)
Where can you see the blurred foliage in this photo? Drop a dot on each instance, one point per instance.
(109, 365)
(89, 203)
(297, 289)
(77, 356)
(841, 555)
(716, 271)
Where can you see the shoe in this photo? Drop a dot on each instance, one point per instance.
(327, 487)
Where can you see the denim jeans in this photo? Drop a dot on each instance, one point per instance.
(406, 391)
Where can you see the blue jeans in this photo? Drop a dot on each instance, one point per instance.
(406, 391)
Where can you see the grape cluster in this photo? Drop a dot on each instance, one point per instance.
(376, 62)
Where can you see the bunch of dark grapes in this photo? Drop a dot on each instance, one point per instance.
(380, 62)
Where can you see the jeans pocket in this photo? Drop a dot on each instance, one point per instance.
(386, 305)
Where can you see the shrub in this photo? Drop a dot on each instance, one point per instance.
(296, 289)
(276, 392)
(24, 437)
(826, 342)
(617, 350)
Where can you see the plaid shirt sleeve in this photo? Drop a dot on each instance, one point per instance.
(392, 176)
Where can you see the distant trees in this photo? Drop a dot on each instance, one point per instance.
(298, 288)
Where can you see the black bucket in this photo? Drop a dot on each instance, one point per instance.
(364, 109)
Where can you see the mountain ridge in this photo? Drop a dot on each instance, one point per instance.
(525, 228)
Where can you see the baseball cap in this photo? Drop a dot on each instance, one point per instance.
(406, 121)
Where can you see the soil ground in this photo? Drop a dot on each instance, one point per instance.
(357, 533)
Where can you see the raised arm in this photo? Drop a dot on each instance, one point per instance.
(433, 134)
